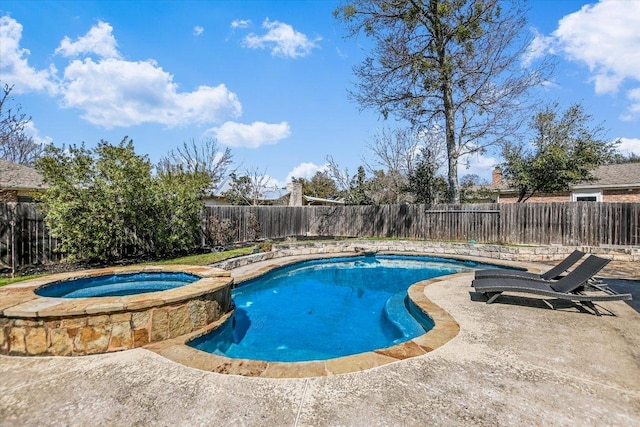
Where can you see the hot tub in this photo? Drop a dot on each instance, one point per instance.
(41, 317)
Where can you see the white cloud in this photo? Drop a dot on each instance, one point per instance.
(605, 37)
(198, 30)
(538, 47)
(240, 23)
(110, 91)
(114, 93)
(282, 39)
(99, 41)
(478, 165)
(31, 131)
(634, 108)
(305, 170)
(272, 185)
(14, 66)
(629, 145)
(250, 136)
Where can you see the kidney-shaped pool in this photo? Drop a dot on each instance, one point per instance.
(324, 309)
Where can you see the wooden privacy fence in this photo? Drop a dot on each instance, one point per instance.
(569, 224)
(24, 238)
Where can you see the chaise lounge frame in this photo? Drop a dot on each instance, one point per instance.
(570, 287)
(553, 273)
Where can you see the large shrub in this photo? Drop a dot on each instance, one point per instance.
(106, 204)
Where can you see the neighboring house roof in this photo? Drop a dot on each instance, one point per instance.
(19, 177)
(220, 200)
(320, 200)
(623, 175)
(269, 198)
(616, 176)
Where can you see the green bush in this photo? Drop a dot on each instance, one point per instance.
(106, 203)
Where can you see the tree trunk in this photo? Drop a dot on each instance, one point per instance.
(450, 136)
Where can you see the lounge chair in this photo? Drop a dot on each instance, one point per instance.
(556, 271)
(570, 287)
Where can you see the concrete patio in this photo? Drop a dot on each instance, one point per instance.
(515, 362)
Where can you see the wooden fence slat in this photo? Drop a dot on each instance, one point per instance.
(570, 224)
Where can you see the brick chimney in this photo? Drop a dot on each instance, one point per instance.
(496, 177)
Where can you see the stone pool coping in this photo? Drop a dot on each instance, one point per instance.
(19, 300)
(444, 330)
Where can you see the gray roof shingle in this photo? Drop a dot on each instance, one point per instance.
(19, 177)
(623, 175)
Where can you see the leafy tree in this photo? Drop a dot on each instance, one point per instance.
(320, 185)
(239, 190)
(624, 158)
(15, 145)
(473, 190)
(178, 203)
(426, 186)
(564, 151)
(455, 64)
(358, 190)
(354, 189)
(248, 189)
(383, 189)
(105, 203)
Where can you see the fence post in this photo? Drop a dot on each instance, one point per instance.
(203, 227)
(14, 240)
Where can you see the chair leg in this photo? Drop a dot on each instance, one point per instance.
(592, 306)
(493, 296)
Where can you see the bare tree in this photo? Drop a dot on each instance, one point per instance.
(340, 176)
(455, 64)
(199, 157)
(250, 188)
(396, 151)
(15, 145)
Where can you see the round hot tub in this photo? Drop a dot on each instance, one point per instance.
(117, 284)
(111, 309)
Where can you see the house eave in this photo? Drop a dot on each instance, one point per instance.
(579, 187)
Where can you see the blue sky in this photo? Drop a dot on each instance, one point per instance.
(268, 79)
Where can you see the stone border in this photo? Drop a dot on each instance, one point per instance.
(445, 329)
(34, 325)
(451, 249)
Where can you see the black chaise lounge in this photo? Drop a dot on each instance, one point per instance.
(570, 287)
(556, 271)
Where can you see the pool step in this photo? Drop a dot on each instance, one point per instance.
(396, 312)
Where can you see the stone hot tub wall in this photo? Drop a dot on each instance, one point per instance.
(32, 325)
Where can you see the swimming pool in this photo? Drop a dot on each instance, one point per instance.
(116, 285)
(324, 309)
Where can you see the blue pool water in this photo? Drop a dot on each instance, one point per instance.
(116, 285)
(323, 309)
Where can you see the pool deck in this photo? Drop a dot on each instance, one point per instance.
(515, 362)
